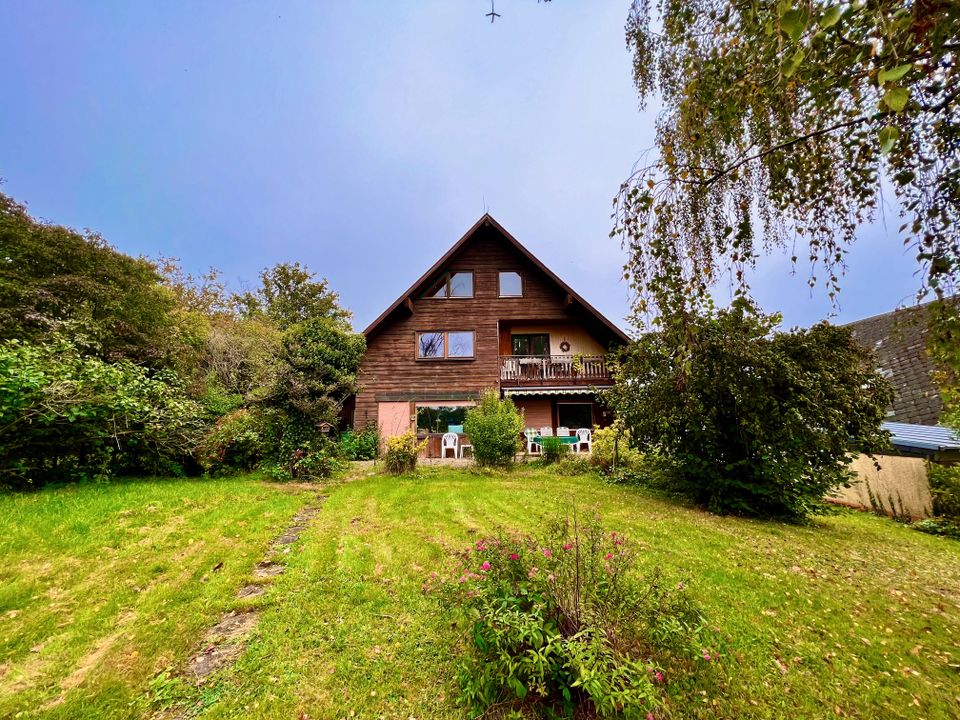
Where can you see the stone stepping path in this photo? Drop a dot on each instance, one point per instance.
(224, 642)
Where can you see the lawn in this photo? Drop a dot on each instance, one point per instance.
(853, 617)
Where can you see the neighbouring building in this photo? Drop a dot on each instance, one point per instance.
(488, 314)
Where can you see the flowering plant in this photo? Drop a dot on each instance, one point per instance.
(563, 620)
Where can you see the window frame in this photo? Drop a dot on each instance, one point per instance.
(446, 357)
(447, 277)
(530, 337)
(500, 292)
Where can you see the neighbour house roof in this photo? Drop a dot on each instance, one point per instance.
(922, 438)
(487, 220)
(899, 340)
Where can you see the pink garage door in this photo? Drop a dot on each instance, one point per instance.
(393, 418)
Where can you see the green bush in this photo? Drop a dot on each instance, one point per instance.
(753, 421)
(612, 450)
(236, 443)
(945, 488)
(573, 464)
(564, 625)
(494, 428)
(68, 417)
(361, 444)
(554, 450)
(401, 453)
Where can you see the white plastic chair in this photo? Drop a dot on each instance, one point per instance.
(584, 437)
(563, 432)
(450, 441)
(533, 447)
(546, 432)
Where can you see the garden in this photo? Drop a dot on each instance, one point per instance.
(107, 590)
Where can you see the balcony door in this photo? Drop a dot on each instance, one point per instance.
(531, 344)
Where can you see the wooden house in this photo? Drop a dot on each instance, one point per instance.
(488, 314)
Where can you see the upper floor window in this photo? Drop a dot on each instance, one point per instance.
(437, 345)
(453, 285)
(531, 344)
(511, 284)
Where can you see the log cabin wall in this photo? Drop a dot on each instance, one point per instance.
(391, 371)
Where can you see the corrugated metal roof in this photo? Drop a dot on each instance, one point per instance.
(922, 437)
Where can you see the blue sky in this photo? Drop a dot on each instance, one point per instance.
(360, 138)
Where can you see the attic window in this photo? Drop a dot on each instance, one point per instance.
(511, 284)
(453, 285)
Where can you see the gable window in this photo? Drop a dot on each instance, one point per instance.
(531, 344)
(453, 285)
(511, 284)
(438, 345)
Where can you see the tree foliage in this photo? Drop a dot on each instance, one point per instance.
(120, 364)
(782, 123)
(54, 279)
(64, 416)
(754, 420)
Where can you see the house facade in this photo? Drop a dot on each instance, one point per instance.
(488, 314)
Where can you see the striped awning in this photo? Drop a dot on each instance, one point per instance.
(541, 391)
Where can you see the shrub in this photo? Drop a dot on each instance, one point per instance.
(319, 460)
(755, 421)
(612, 449)
(67, 417)
(494, 428)
(573, 464)
(554, 450)
(945, 488)
(401, 453)
(361, 444)
(563, 623)
(236, 443)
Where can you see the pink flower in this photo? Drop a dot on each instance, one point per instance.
(463, 579)
(485, 566)
(613, 535)
(480, 545)
(608, 556)
(650, 716)
(550, 577)
(547, 553)
(533, 572)
(568, 546)
(514, 556)
(658, 676)
(706, 655)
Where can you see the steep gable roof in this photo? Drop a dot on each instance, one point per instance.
(487, 221)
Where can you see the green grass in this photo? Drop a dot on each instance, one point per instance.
(104, 585)
(855, 616)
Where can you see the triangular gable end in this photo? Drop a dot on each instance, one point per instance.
(414, 291)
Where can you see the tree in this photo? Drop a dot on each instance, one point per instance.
(781, 124)
(755, 421)
(290, 294)
(55, 279)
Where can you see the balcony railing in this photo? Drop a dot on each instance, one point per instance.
(516, 370)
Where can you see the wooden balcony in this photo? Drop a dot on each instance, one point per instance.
(552, 370)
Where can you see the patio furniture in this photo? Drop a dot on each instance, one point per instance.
(465, 446)
(566, 440)
(546, 431)
(450, 441)
(563, 431)
(533, 448)
(584, 437)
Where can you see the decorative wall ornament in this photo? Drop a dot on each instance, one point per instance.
(564, 346)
